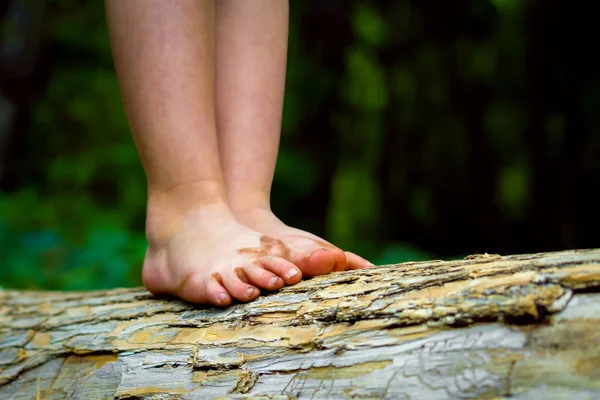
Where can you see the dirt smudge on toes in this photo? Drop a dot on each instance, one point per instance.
(268, 246)
(217, 276)
(180, 288)
(239, 271)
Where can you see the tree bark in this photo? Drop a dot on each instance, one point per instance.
(484, 327)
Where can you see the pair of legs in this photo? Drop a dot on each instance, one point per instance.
(203, 83)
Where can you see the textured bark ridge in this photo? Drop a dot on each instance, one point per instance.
(484, 327)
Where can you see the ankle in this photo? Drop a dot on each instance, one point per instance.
(248, 203)
(255, 217)
(167, 208)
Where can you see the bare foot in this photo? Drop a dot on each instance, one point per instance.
(211, 258)
(313, 255)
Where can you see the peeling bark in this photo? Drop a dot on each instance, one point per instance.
(487, 327)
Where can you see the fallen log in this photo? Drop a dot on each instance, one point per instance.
(487, 326)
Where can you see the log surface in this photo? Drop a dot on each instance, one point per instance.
(484, 327)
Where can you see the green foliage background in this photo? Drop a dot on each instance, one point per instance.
(410, 132)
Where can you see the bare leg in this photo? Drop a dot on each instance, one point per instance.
(251, 55)
(198, 251)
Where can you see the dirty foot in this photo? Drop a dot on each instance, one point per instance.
(313, 255)
(209, 257)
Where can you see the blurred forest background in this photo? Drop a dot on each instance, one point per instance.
(412, 130)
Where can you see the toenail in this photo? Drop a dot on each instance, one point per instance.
(275, 280)
(249, 292)
(222, 296)
(291, 273)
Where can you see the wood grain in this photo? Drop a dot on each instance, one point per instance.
(484, 327)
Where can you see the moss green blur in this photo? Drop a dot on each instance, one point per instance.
(76, 220)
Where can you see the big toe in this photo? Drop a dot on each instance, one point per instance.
(319, 262)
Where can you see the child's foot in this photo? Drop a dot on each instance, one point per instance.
(212, 258)
(312, 254)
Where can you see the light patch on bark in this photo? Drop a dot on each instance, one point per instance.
(486, 327)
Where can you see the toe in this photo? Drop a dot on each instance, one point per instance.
(237, 286)
(201, 290)
(339, 257)
(217, 294)
(264, 279)
(356, 262)
(319, 262)
(283, 268)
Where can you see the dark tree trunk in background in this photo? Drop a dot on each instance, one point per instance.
(558, 64)
(559, 60)
(21, 80)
